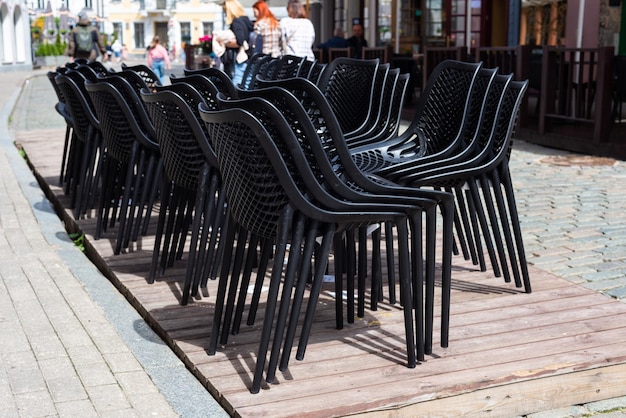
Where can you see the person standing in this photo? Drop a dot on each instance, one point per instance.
(85, 41)
(297, 32)
(266, 25)
(357, 40)
(241, 25)
(158, 58)
(117, 50)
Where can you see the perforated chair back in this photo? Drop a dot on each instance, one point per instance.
(255, 65)
(145, 72)
(351, 104)
(440, 112)
(219, 78)
(184, 147)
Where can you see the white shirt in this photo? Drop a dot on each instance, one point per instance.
(298, 36)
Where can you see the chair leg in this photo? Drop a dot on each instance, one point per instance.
(272, 296)
(330, 235)
(303, 278)
(285, 300)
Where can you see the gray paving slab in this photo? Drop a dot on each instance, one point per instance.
(71, 344)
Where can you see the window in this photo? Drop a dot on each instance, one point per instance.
(207, 28)
(139, 35)
(185, 32)
(117, 31)
(384, 22)
(88, 4)
(435, 21)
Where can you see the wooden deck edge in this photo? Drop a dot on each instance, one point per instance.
(520, 398)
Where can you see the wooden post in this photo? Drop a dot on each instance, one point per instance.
(604, 91)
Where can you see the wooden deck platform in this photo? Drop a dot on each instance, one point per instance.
(510, 353)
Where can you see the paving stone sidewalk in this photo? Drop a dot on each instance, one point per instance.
(70, 344)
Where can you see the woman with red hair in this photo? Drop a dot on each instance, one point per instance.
(266, 25)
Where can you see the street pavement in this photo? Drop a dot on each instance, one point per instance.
(70, 344)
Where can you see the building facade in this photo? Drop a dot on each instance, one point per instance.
(15, 45)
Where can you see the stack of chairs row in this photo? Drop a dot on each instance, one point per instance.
(292, 165)
(111, 161)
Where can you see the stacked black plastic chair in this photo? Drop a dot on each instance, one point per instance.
(268, 184)
(437, 124)
(85, 151)
(219, 78)
(352, 106)
(132, 160)
(61, 108)
(488, 171)
(189, 205)
(330, 148)
(255, 65)
(145, 72)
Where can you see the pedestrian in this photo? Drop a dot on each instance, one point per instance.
(235, 57)
(158, 58)
(109, 54)
(266, 25)
(117, 50)
(297, 32)
(85, 40)
(357, 40)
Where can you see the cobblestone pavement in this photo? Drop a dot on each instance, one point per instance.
(572, 210)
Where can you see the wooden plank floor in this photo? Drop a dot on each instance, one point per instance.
(510, 353)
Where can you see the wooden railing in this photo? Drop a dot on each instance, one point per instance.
(576, 92)
(573, 88)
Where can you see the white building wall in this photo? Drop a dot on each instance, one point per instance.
(15, 43)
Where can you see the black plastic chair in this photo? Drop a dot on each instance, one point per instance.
(255, 65)
(85, 153)
(62, 110)
(330, 148)
(218, 77)
(489, 171)
(351, 105)
(145, 72)
(267, 188)
(192, 202)
(131, 160)
(437, 123)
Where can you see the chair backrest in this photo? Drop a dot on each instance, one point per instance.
(288, 66)
(254, 65)
(252, 171)
(119, 128)
(131, 94)
(378, 107)
(316, 72)
(334, 53)
(80, 110)
(149, 77)
(338, 83)
(373, 52)
(185, 150)
(440, 111)
(218, 77)
(204, 86)
(100, 68)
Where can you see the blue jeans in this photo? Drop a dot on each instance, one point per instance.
(159, 69)
(239, 70)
